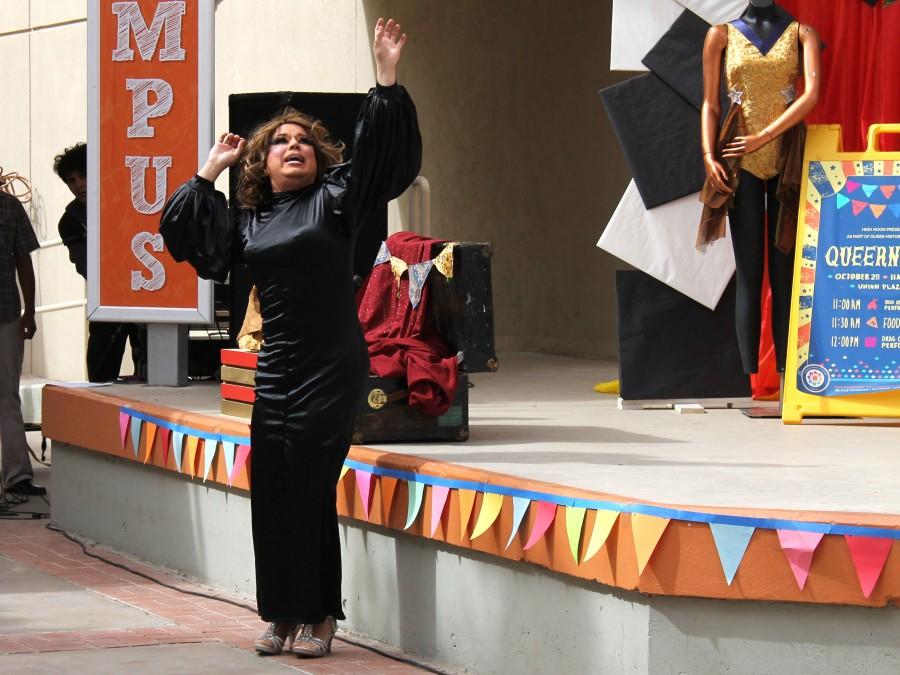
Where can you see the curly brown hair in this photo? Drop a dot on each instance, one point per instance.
(254, 187)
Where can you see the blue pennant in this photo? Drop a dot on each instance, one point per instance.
(731, 543)
(418, 273)
(383, 254)
(869, 189)
(136, 424)
(896, 209)
(520, 506)
(842, 201)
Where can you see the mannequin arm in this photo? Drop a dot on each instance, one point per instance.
(711, 110)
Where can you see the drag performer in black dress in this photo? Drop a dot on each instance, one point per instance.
(297, 239)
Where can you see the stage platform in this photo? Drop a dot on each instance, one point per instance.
(631, 513)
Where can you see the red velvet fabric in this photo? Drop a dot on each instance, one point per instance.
(400, 338)
(860, 66)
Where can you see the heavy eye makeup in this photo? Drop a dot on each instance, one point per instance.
(281, 140)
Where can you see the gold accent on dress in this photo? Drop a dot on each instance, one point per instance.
(762, 79)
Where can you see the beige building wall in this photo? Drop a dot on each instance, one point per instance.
(518, 150)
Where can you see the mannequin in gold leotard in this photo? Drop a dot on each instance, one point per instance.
(762, 53)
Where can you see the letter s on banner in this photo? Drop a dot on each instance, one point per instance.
(138, 247)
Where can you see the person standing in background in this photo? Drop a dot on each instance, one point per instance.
(106, 340)
(17, 241)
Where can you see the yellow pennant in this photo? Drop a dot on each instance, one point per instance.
(444, 261)
(344, 470)
(490, 509)
(603, 525)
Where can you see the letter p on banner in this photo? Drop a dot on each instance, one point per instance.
(150, 113)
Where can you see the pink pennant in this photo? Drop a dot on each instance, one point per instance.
(799, 548)
(123, 427)
(852, 186)
(364, 485)
(546, 513)
(240, 459)
(439, 495)
(869, 557)
(858, 207)
(888, 190)
(164, 433)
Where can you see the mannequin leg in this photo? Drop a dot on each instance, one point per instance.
(781, 275)
(747, 222)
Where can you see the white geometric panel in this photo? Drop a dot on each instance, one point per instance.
(660, 242)
(716, 11)
(637, 25)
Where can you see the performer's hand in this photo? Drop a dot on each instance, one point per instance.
(226, 153)
(744, 145)
(717, 174)
(28, 326)
(386, 49)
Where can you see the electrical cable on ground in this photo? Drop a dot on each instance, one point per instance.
(235, 603)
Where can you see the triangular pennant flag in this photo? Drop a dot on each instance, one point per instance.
(647, 531)
(388, 488)
(344, 470)
(228, 453)
(466, 505)
(364, 487)
(878, 209)
(136, 423)
(520, 507)
(418, 274)
(842, 201)
(414, 503)
(731, 543)
(869, 556)
(869, 189)
(799, 548)
(852, 186)
(858, 207)
(543, 519)
(574, 522)
(384, 254)
(602, 527)
(243, 452)
(209, 454)
(164, 433)
(888, 190)
(490, 509)
(895, 209)
(439, 494)
(177, 444)
(193, 443)
(123, 427)
(149, 438)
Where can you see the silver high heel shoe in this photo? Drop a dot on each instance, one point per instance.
(270, 643)
(309, 646)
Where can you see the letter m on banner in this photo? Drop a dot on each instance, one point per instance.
(150, 111)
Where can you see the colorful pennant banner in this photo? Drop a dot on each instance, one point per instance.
(869, 547)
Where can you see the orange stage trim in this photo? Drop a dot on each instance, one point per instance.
(679, 556)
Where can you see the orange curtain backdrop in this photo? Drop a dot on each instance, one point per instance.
(860, 64)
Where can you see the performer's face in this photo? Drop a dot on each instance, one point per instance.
(291, 162)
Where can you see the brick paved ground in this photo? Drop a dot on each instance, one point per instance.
(192, 619)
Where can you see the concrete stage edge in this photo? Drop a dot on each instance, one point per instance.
(474, 602)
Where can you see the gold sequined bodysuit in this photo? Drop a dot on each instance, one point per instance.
(765, 85)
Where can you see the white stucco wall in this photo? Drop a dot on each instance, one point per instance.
(517, 147)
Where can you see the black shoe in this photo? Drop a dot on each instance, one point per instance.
(27, 487)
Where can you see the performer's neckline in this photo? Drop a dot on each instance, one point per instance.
(763, 46)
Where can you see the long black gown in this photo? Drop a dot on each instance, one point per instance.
(313, 364)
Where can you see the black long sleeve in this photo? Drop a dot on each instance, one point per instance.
(387, 156)
(73, 232)
(197, 226)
